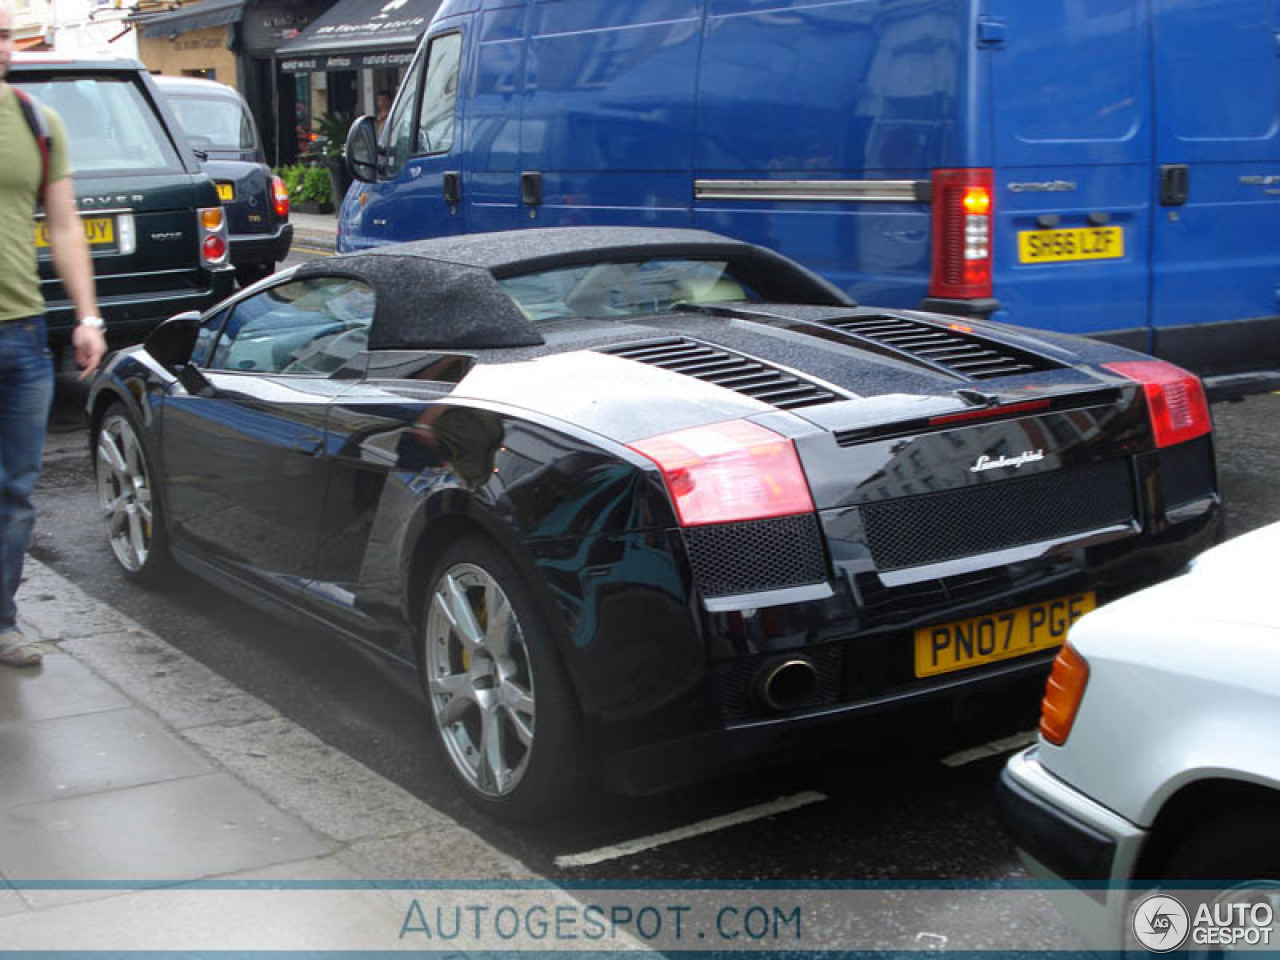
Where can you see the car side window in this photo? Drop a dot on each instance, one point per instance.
(307, 327)
(400, 131)
(440, 95)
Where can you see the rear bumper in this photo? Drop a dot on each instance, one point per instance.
(255, 248)
(712, 721)
(130, 317)
(1085, 851)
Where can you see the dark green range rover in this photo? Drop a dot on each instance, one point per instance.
(156, 229)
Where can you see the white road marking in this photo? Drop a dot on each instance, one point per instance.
(992, 749)
(640, 844)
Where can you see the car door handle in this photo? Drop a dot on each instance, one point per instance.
(1174, 184)
(531, 189)
(451, 184)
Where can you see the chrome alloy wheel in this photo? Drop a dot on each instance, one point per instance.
(124, 492)
(479, 679)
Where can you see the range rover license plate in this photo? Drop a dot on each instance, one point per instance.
(998, 636)
(97, 230)
(1082, 243)
(226, 191)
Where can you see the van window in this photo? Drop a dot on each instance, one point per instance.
(624, 288)
(214, 123)
(111, 128)
(400, 130)
(440, 96)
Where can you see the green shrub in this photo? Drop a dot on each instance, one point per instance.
(315, 186)
(306, 184)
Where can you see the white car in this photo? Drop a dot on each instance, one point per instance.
(1158, 762)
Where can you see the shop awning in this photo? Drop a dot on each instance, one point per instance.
(356, 33)
(191, 16)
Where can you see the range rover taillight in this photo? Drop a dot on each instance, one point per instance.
(961, 256)
(1176, 402)
(213, 236)
(728, 472)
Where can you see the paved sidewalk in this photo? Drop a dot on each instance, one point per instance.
(125, 764)
(314, 232)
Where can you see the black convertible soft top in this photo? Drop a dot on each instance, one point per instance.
(443, 293)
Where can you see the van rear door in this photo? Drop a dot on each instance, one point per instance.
(1215, 255)
(1070, 103)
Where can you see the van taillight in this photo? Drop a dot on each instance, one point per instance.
(962, 202)
(1176, 402)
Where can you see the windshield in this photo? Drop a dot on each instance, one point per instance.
(625, 288)
(215, 123)
(111, 127)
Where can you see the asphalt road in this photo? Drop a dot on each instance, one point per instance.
(896, 812)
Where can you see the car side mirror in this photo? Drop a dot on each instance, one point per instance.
(362, 150)
(171, 343)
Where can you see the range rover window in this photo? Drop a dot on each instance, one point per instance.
(309, 327)
(112, 128)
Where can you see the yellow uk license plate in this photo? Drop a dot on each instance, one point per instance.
(1077, 243)
(1002, 635)
(97, 230)
(226, 191)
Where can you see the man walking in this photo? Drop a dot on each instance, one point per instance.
(26, 372)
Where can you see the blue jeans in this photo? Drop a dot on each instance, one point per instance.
(26, 393)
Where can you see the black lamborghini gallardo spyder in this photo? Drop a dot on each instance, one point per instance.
(648, 503)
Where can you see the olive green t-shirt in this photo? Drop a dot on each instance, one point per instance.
(19, 183)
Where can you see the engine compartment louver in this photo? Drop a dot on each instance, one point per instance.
(725, 369)
(956, 351)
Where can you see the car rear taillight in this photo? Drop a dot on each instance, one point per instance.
(730, 471)
(280, 198)
(1175, 399)
(213, 236)
(962, 201)
(1062, 695)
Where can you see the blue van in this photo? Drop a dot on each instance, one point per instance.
(1105, 167)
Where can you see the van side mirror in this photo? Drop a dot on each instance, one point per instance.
(362, 150)
(171, 343)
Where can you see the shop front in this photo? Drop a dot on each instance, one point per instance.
(348, 56)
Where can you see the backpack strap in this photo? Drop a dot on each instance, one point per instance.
(40, 130)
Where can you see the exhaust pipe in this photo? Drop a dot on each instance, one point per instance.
(786, 684)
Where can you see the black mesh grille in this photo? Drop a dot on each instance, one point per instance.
(736, 682)
(967, 354)
(1187, 472)
(732, 558)
(912, 531)
(725, 369)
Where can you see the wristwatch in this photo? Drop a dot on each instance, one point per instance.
(93, 322)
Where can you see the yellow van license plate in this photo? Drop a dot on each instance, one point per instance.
(1081, 243)
(998, 636)
(226, 192)
(97, 230)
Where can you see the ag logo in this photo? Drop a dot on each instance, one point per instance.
(1160, 923)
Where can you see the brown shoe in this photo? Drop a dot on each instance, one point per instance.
(15, 651)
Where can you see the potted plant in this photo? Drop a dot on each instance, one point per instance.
(332, 128)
